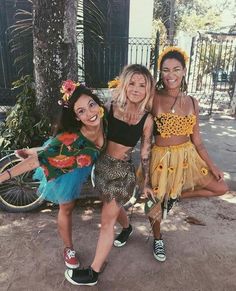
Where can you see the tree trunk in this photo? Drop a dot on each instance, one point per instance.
(55, 51)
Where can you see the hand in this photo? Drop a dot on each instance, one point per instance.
(25, 153)
(148, 192)
(219, 175)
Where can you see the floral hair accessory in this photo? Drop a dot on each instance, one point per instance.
(172, 49)
(101, 112)
(68, 87)
(113, 83)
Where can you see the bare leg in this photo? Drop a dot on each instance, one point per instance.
(214, 188)
(123, 218)
(110, 212)
(156, 228)
(65, 223)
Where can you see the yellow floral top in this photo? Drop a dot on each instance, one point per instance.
(168, 124)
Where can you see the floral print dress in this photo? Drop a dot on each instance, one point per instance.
(65, 165)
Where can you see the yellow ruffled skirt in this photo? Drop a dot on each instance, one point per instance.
(174, 169)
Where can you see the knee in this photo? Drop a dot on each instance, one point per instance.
(107, 225)
(66, 209)
(222, 189)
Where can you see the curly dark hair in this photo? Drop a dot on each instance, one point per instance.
(67, 120)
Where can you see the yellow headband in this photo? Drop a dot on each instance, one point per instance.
(172, 49)
(113, 83)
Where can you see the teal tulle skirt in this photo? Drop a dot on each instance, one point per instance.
(63, 189)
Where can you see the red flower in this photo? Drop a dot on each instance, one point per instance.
(83, 160)
(61, 161)
(68, 138)
(45, 170)
(68, 87)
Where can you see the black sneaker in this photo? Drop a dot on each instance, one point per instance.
(122, 238)
(82, 277)
(171, 202)
(167, 206)
(159, 250)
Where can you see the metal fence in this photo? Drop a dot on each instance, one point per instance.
(212, 71)
(98, 63)
(101, 61)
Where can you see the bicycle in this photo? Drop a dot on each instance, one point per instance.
(20, 193)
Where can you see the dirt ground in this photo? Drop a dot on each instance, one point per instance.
(199, 257)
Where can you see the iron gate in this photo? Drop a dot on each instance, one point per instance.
(103, 61)
(212, 71)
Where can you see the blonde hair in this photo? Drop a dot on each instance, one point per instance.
(119, 93)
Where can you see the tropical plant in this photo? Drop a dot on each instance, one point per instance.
(21, 33)
(23, 126)
(21, 38)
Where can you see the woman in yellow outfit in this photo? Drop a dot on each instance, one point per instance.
(180, 165)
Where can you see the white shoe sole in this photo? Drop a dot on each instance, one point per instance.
(118, 244)
(160, 259)
(69, 279)
(72, 266)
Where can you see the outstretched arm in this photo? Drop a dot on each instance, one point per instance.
(197, 141)
(146, 142)
(25, 153)
(26, 165)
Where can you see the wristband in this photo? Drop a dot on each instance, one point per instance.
(9, 173)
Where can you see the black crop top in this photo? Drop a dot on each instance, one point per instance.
(123, 133)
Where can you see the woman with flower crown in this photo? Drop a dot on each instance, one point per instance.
(128, 121)
(64, 164)
(180, 165)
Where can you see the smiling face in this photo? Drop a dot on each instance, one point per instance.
(87, 110)
(172, 73)
(136, 88)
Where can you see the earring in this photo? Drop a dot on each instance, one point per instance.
(101, 111)
(161, 83)
(183, 86)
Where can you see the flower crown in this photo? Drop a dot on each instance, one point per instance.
(113, 83)
(67, 88)
(172, 49)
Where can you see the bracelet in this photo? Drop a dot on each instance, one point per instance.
(9, 173)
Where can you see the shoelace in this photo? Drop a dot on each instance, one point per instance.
(70, 253)
(159, 246)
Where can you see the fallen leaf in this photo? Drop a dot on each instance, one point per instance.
(193, 220)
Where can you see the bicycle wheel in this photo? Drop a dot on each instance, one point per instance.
(20, 193)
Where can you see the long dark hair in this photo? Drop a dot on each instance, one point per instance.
(177, 56)
(67, 120)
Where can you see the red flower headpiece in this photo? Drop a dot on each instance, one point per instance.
(68, 87)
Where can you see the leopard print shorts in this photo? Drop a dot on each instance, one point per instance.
(114, 179)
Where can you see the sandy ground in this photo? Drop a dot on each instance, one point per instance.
(199, 257)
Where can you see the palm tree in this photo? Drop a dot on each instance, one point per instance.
(50, 42)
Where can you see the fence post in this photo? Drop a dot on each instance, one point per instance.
(233, 102)
(156, 54)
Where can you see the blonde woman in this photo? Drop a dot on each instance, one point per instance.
(128, 121)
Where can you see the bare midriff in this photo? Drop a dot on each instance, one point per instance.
(118, 151)
(171, 141)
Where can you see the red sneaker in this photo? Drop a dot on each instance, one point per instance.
(70, 258)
